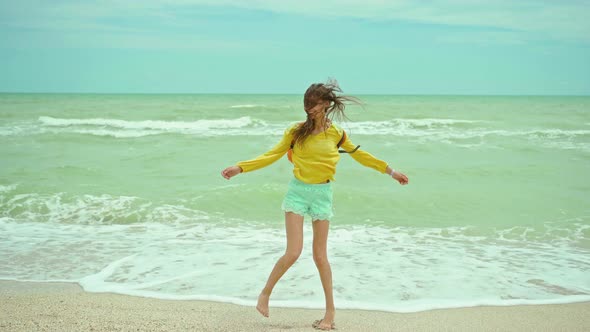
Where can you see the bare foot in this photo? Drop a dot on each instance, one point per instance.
(262, 305)
(326, 323)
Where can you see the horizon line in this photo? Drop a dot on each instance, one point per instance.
(296, 94)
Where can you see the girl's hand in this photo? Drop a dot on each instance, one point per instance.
(401, 178)
(231, 171)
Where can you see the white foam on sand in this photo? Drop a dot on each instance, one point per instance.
(378, 268)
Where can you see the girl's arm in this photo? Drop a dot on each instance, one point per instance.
(263, 160)
(367, 159)
(399, 176)
(231, 171)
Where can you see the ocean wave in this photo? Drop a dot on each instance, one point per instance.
(433, 128)
(442, 128)
(8, 131)
(136, 129)
(90, 209)
(7, 188)
(460, 132)
(241, 122)
(118, 133)
(432, 122)
(198, 125)
(246, 106)
(19, 129)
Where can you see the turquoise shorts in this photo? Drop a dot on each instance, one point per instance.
(314, 200)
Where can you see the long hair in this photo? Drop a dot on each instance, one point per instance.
(316, 93)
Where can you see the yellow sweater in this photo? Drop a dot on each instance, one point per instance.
(316, 161)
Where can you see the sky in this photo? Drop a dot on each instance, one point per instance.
(456, 47)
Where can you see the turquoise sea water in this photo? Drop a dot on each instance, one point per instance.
(123, 193)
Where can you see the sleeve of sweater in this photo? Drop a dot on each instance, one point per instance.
(363, 157)
(271, 155)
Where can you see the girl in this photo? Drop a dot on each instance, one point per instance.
(313, 147)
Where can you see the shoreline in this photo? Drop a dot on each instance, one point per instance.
(54, 306)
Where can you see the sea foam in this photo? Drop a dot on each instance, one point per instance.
(472, 134)
(399, 269)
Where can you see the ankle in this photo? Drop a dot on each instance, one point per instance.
(265, 292)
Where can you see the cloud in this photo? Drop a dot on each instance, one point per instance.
(548, 19)
(538, 20)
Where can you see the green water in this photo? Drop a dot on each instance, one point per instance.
(498, 161)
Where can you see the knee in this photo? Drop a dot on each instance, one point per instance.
(320, 259)
(292, 256)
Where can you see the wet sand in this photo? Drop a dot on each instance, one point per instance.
(28, 306)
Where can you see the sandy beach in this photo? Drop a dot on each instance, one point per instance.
(66, 307)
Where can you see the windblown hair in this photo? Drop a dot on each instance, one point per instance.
(315, 94)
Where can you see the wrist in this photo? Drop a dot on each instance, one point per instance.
(391, 171)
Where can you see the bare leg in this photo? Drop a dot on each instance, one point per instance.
(320, 257)
(294, 229)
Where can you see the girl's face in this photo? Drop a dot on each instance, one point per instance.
(319, 110)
